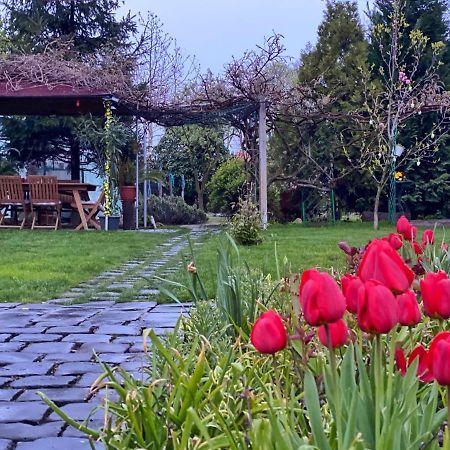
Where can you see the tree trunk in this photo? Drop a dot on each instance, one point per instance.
(376, 207)
(199, 191)
(74, 160)
(201, 204)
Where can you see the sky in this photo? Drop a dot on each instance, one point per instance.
(216, 30)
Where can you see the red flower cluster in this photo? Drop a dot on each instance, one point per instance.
(434, 364)
(380, 296)
(423, 373)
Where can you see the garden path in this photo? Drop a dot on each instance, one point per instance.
(49, 347)
(133, 279)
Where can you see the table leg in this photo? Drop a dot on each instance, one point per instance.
(77, 198)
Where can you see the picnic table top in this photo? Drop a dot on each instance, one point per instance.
(69, 185)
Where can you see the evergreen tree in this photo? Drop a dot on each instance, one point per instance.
(333, 67)
(31, 25)
(88, 24)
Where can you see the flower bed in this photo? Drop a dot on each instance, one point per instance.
(302, 362)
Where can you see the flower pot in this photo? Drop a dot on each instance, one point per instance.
(128, 193)
(113, 222)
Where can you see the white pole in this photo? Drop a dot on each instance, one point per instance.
(144, 197)
(137, 176)
(263, 163)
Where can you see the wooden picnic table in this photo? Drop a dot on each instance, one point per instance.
(79, 191)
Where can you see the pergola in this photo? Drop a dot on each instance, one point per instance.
(43, 99)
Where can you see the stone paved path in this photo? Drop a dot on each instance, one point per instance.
(49, 347)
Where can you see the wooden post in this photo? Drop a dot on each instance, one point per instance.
(263, 163)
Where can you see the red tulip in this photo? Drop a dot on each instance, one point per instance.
(422, 371)
(427, 238)
(338, 334)
(382, 263)
(395, 240)
(405, 228)
(418, 250)
(444, 247)
(400, 360)
(320, 298)
(350, 286)
(268, 333)
(408, 309)
(377, 308)
(435, 290)
(439, 358)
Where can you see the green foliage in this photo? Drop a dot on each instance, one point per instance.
(201, 395)
(238, 290)
(174, 211)
(409, 415)
(111, 141)
(245, 225)
(225, 186)
(311, 154)
(193, 151)
(89, 24)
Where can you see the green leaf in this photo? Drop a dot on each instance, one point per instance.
(313, 407)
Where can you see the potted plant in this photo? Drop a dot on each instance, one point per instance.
(111, 222)
(127, 180)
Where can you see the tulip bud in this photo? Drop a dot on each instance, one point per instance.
(320, 298)
(405, 228)
(347, 249)
(394, 240)
(377, 308)
(350, 286)
(427, 238)
(418, 250)
(439, 358)
(422, 372)
(435, 290)
(338, 332)
(268, 334)
(408, 309)
(382, 263)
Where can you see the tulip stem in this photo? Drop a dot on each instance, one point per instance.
(378, 391)
(276, 377)
(336, 390)
(390, 372)
(447, 430)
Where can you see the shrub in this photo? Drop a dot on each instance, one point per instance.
(225, 185)
(174, 211)
(246, 224)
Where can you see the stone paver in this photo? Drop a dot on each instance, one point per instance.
(50, 348)
(63, 366)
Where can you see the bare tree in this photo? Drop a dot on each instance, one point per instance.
(402, 95)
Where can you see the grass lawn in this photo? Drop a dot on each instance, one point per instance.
(304, 246)
(41, 264)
